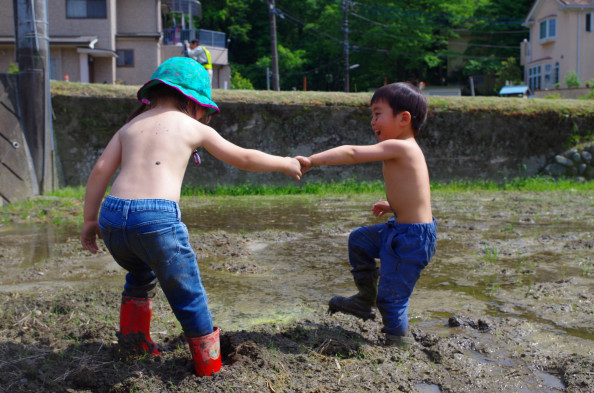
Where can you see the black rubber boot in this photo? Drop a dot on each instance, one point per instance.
(361, 304)
(402, 342)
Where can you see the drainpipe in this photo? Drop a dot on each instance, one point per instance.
(578, 41)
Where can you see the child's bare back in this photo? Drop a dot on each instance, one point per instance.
(156, 147)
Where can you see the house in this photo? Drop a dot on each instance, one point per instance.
(116, 41)
(515, 91)
(561, 42)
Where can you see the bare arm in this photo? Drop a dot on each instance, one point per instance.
(97, 184)
(353, 154)
(249, 159)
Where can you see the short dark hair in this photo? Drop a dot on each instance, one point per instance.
(404, 96)
(194, 42)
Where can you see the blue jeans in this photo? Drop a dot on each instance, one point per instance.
(147, 238)
(403, 250)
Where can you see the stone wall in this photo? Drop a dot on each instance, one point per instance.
(576, 163)
(469, 144)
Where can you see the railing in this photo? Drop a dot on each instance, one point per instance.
(175, 35)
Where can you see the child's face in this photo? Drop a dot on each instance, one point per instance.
(383, 121)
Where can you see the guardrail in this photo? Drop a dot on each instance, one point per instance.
(175, 35)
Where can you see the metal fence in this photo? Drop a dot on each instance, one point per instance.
(174, 35)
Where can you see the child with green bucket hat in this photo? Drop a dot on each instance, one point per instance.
(140, 220)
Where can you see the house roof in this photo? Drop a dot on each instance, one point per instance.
(577, 2)
(88, 40)
(564, 4)
(514, 90)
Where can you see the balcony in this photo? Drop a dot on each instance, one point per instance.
(177, 35)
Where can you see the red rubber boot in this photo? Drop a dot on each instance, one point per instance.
(206, 353)
(135, 322)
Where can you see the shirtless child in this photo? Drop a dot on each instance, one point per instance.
(406, 242)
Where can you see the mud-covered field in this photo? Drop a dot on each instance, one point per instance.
(506, 305)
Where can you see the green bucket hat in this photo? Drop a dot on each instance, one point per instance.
(187, 76)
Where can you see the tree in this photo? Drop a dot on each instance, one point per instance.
(239, 82)
(509, 71)
(391, 40)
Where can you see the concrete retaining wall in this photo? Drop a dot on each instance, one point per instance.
(457, 144)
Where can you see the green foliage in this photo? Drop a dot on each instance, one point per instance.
(304, 188)
(553, 96)
(590, 95)
(239, 82)
(13, 68)
(510, 71)
(487, 66)
(534, 184)
(390, 40)
(572, 80)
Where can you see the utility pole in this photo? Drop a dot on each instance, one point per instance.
(32, 55)
(274, 52)
(345, 29)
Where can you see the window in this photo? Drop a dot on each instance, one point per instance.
(589, 20)
(534, 78)
(548, 76)
(125, 58)
(556, 73)
(86, 9)
(548, 29)
(53, 68)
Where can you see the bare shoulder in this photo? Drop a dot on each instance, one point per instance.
(401, 148)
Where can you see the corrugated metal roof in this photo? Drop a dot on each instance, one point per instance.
(514, 89)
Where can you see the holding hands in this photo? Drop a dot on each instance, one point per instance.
(294, 169)
(305, 163)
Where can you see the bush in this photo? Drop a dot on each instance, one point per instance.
(239, 82)
(554, 96)
(572, 80)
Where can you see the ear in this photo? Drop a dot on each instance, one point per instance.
(405, 118)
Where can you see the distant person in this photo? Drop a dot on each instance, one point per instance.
(140, 219)
(406, 242)
(199, 53)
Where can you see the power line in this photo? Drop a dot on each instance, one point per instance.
(355, 47)
(383, 10)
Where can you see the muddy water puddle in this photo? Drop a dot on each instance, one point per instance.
(272, 259)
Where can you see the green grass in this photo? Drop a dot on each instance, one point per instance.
(351, 186)
(66, 204)
(305, 188)
(532, 184)
(566, 107)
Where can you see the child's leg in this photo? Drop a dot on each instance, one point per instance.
(397, 280)
(364, 246)
(179, 277)
(141, 281)
(405, 254)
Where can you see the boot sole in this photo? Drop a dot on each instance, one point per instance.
(361, 315)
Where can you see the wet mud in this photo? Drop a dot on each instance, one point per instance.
(506, 305)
